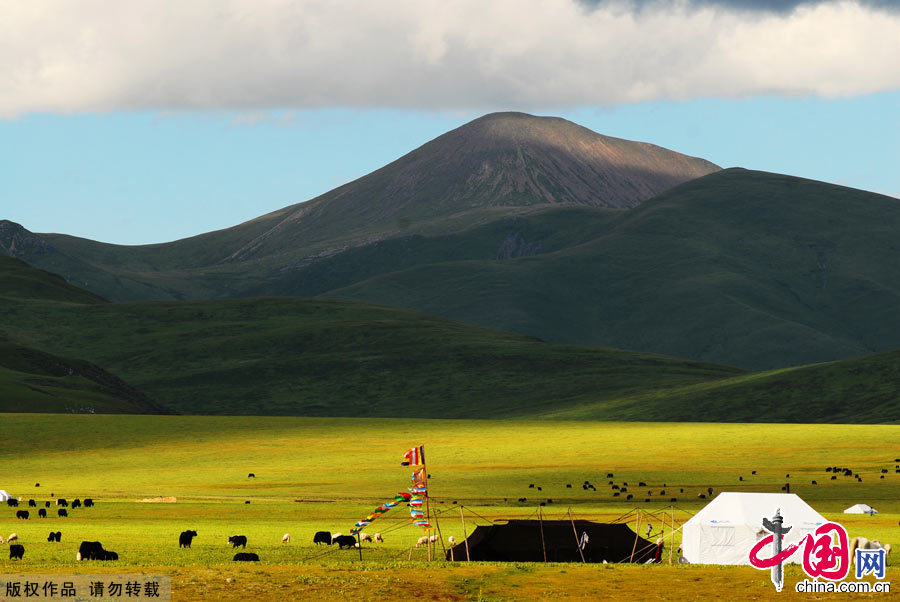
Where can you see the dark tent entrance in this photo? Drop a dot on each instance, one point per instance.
(557, 541)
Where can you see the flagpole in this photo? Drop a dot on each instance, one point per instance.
(427, 498)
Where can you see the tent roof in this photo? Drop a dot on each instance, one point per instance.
(526, 541)
(860, 509)
(737, 507)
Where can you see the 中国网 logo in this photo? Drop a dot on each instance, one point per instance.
(825, 554)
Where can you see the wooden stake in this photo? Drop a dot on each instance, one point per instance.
(575, 531)
(465, 537)
(437, 525)
(359, 543)
(541, 520)
(672, 543)
(636, 530)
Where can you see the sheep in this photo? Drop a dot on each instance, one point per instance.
(423, 541)
(434, 538)
(1, 540)
(12, 537)
(378, 537)
(365, 537)
(286, 538)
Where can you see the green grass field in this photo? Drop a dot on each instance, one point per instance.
(324, 474)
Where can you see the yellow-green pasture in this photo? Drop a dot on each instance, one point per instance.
(324, 474)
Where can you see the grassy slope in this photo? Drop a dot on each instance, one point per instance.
(320, 357)
(739, 267)
(865, 389)
(34, 381)
(21, 280)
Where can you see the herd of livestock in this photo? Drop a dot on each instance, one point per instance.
(93, 550)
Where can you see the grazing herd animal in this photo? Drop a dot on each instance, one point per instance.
(42, 513)
(22, 514)
(246, 557)
(866, 544)
(184, 540)
(62, 512)
(93, 550)
(57, 536)
(16, 552)
(286, 538)
(322, 537)
(238, 540)
(345, 541)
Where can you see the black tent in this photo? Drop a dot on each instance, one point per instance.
(522, 541)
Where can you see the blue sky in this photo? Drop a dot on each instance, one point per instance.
(194, 119)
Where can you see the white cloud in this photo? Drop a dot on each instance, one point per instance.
(96, 55)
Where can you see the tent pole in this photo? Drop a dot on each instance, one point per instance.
(541, 520)
(575, 531)
(636, 529)
(437, 525)
(462, 517)
(672, 543)
(427, 504)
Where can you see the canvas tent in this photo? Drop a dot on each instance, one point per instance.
(523, 541)
(861, 509)
(3, 495)
(725, 530)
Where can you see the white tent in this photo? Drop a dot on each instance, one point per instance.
(725, 530)
(861, 509)
(3, 495)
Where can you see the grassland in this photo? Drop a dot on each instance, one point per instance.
(314, 474)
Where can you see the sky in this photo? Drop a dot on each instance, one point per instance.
(144, 122)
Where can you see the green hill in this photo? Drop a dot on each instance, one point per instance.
(860, 390)
(319, 357)
(739, 267)
(20, 280)
(284, 356)
(34, 381)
